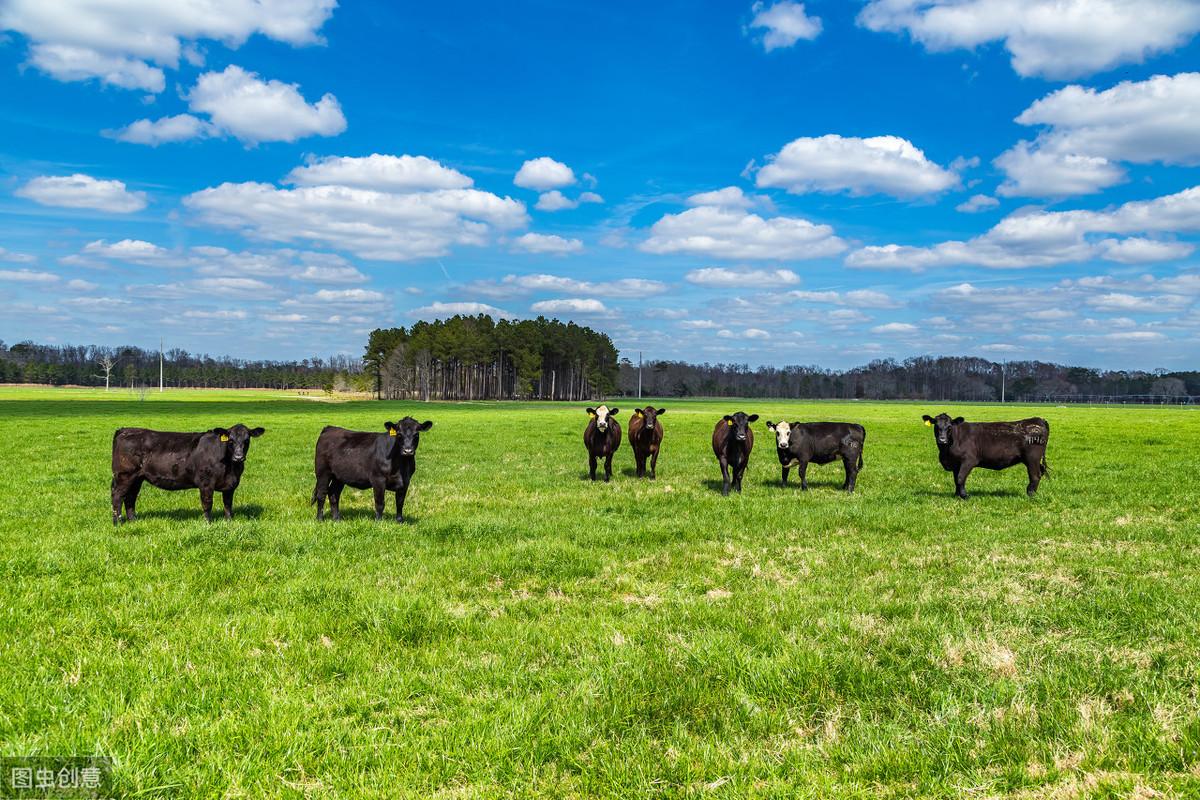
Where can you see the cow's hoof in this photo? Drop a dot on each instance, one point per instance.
(652, 477)
(1031, 495)
(399, 520)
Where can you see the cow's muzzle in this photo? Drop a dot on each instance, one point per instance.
(407, 451)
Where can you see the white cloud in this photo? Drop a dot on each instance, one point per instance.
(80, 285)
(384, 173)
(575, 305)
(117, 41)
(27, 276)
(547, 243)
(749, 278)
(1135, 250)
(699, 325)
(977, 203)
(16, 258)
(377, 225)
(543, 174)
(134, 250)
(877, 165)
(83, 191)
(1146, 304)
(439, 310)
(1045, 238)
(735, 234)
(1047, 38)
(859, 298)
(179, 128)
(254, 110)
(516, 285)
(785, 22)
(554, 200)
(316, 274)
(729, 197)
(1036, 172)
(898, 328)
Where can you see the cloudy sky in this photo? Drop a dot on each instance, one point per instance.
(822, 182)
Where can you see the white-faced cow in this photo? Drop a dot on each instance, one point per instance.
(602, 437)
(645, 438)
(732, 441)
(211, 461)
(800, 443)
(381, 462)
(963, 445)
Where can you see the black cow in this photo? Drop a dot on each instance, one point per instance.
(602, 437)
(732, 441)
(801, 443)
(645, 437)
(211, 461)
(963, 445)
(382, 462)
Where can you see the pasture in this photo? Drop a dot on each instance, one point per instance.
(530, 633)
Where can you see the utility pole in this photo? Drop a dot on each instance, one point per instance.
(1003, 379)
(639, 374)
(160, 365)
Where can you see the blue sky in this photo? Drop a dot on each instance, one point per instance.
(824, 182)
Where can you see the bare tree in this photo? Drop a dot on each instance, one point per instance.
(107, 363)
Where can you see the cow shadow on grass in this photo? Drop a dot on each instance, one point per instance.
(368, 515)
(251, 511)
(971, 493)
(793, 485)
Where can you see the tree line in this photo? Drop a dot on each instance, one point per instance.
(478, 358)
(921, 378)
(93, 365)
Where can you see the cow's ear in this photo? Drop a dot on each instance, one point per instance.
(770, 425)
(638, 411)
(752, 418)
(660, 411)
(426, 425)
(256, 432)
(220, 431)
(591, 412)
(957, 421)
(727, 418)
(614, 411)
(928, 419)
(389, 427)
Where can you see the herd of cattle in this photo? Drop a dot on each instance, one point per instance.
(212, 461)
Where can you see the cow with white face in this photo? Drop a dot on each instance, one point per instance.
(602, 437)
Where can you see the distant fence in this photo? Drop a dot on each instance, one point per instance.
(1118, 399)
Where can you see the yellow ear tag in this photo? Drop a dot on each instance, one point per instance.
(224, 438)
(928, 424)
(640, 414)
(729, 422)
(593, 416)
(391, 431)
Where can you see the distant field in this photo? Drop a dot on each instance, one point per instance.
(530, 633)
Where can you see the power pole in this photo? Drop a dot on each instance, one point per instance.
(639, 374)
(1003, 379)
(160, 365)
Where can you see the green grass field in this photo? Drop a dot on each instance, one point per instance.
(529, 633)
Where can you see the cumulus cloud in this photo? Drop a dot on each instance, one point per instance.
(391, 225)
(254, 110)
(547, 243)
(1088, 133)
(858, 298)
(729, 197)
(125, 43)
(785, 24)
(16, 258)
(895, 328)
(554, 200)
(1055, 39)
(179, 128)
(876, 165)
(573, 306)
(1046, 238)
(384, 173)
(439, 310)
(736, 234)
(83, 191)
(27, 276)
(977, 203)
(722, 277)
(134, 250)
(517, 285)
(544, 173)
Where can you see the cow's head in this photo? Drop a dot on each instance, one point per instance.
(783, 433)
(237, 439)
(740, 424)
(407, 435)
(603, 415)
(943, 427)
(649, 415)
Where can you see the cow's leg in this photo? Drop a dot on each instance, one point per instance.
(803, 469)
(335, 499)
(960, 479)
(724, 475)
(319, 493)
(119, 487)
(738, 472)
(639, 462)
(380, 499)
(1033, 465)
(401, 493)
(131, 496)
(227, 500)
(786, 471)
(592, 465)
(850, 463)
(653, 463)
(206, 498)
(608, 467)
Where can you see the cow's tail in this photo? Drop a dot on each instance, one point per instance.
(1045, 467)
(862, 446)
